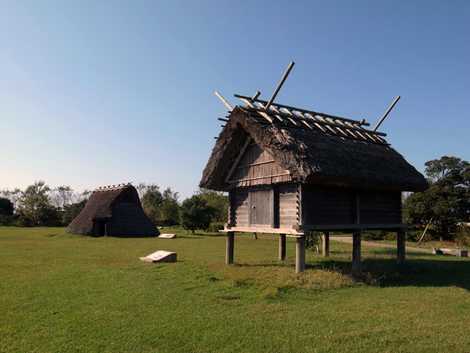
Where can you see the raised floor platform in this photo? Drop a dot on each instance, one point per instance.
(300, 239)
(286, 231)
(316, 227)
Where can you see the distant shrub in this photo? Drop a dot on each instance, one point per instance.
(463, 236)
(196, 213)
(214, 227)
(379, 235)
(71, 211)
(6, 220)
(374, 235)
(218, 201)
(313, 241)
(414, 234)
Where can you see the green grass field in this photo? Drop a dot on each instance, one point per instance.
(66, 293)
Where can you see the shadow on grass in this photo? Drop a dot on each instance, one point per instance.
(415, 272)
(418, 272)
(261, 265)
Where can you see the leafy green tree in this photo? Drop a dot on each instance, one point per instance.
(169, 208)
(161, 207)
(151, 200)
(447, 201)
(34, 208)
(196, 213)
(71, 211)
(219, 203)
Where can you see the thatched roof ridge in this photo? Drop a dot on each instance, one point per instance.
(311, 156)
(100, 206)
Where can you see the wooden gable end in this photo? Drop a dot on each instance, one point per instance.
(256, 166)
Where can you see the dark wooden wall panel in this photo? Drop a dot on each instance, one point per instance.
(335, 206)
(380, 207)
(327, 205)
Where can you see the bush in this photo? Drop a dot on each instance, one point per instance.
(214, 227)
(463, 235)
(218, 201)
(379, 235)
(47, 217)
(413, 234)
(6, 220)
(196, 213)
(374, 235)
(313, 241)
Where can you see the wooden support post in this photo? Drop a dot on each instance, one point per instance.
(300, 255)
(282, 247)
(401, 246)
(356, 252)
(229, 248)
(326, 244)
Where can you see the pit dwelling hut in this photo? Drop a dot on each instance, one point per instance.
(290, 171)
(115, 211)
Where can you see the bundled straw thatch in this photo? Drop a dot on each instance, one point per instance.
(114, 211)
(311, 155)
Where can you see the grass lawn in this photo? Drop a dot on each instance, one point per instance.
(67, 293)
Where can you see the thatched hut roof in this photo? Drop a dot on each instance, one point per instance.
(119, 206)
(312, 150)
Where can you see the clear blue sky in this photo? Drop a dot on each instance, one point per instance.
(104, 92)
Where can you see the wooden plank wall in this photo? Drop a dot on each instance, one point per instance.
(240, 211)
(330, 206)
(257, 167)
(288, 206)
(280, 210)
(327, 205)
(380, 207)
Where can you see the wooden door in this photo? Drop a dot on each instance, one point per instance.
(261, 208)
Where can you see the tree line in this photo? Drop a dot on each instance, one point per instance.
(41, 205)
(444, 208)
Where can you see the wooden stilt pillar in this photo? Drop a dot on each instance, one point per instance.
(356, 252)
(401, 246)
(300, 255)
(282, 247)
(326, 244)
(229, 248)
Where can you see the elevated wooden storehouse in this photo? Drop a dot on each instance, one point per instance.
(114, 211)
(289, 171)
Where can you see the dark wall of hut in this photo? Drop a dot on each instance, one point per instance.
(332, 206)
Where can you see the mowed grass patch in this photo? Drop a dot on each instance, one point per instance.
(68, 293)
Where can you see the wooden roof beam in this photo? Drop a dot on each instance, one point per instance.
(351, 127)
(361, 122)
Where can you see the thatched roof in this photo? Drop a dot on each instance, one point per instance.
(314, 149)
(120, 207)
